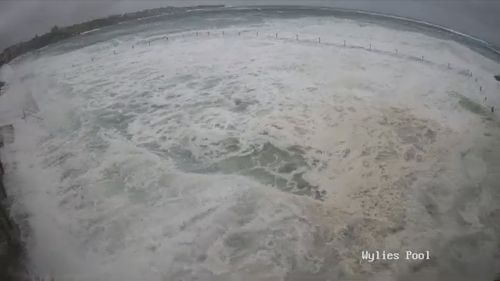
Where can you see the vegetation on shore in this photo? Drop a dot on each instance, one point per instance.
(57, 34)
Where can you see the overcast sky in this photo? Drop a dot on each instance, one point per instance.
(22, 19)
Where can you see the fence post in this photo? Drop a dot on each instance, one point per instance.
(344, 43)
(276, 35)
(297, 37)
(319, 40)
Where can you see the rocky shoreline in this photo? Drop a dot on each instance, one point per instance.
(57, 34)
(11, 248)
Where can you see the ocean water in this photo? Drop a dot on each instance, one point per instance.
(212, 148)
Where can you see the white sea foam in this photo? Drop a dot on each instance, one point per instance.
(245, 157)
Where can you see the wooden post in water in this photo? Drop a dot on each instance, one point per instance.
(276, 35)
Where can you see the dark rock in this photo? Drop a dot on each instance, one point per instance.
(497, 77)
(287, 168)
(346, 152)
